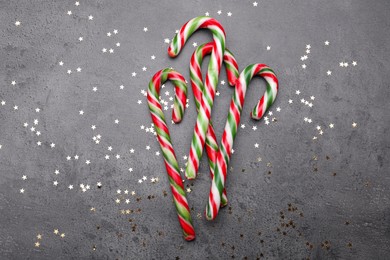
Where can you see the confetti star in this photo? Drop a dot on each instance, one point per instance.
(354, 125)
(297, 92)
(326, 43)
(69, 12)
(254, 128)
(87, 162)
(111, 50)
(329, 72)
(256, 145)
(144, 69)
(185, 157)
(278, 109)
(153, 57)
(254, 3)
(132, 150)
(77, 3)
(144, 178)
(188, 190)
(116, 121)
(13, 83)
(341, 64)
(107, 157)
(104, 50)
(145, 29)
(52, 145)
(219, 12)
(117, 156)
(304, 66)
(242, 126)
(76, 157)
(37, 110)
(22, 190)
(290, 101)
(17, 23)
(158, 153)
(229, 14)
(68, 158)
(78, 69)
(331, 125)
(268, 48)
(207, 14)
(16, 107)
(37, 244)
(69, 71)
(312, 97)
(90, 17)
(56, 231)
(55, 183)
(24, 177)
(133, 74)
(2, 102)
(166, 40)
(39, 236)
(70, 187)
(109, 34)
(308, 46)
(345, 64)
(81, 112)
(354, 63)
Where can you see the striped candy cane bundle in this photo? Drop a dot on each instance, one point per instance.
(233, 120)
(198, 87)
(171, 164)
(207, 100)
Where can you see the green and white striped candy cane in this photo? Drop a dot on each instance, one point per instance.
(233, 120)
(207, 100)
(171, 164)
(197, 87)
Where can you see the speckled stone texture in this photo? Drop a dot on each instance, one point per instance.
(319, 199)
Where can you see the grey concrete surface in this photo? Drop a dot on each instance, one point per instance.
(293, 197)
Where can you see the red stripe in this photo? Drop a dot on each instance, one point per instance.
(213, 205)
(179, 198)
(212, 22)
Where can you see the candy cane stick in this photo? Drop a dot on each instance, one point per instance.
(207, 100)
(232, 122)
(197, 87)
(175, 180)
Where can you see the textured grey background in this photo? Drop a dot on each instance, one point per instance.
(339, 183)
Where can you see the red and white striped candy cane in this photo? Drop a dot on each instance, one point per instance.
(207, 100)
(175, 180)
(198, 87)
(233, 120)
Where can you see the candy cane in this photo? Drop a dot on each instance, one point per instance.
(232, 122)
(197, 87)
(171, 164)
(207, 100)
